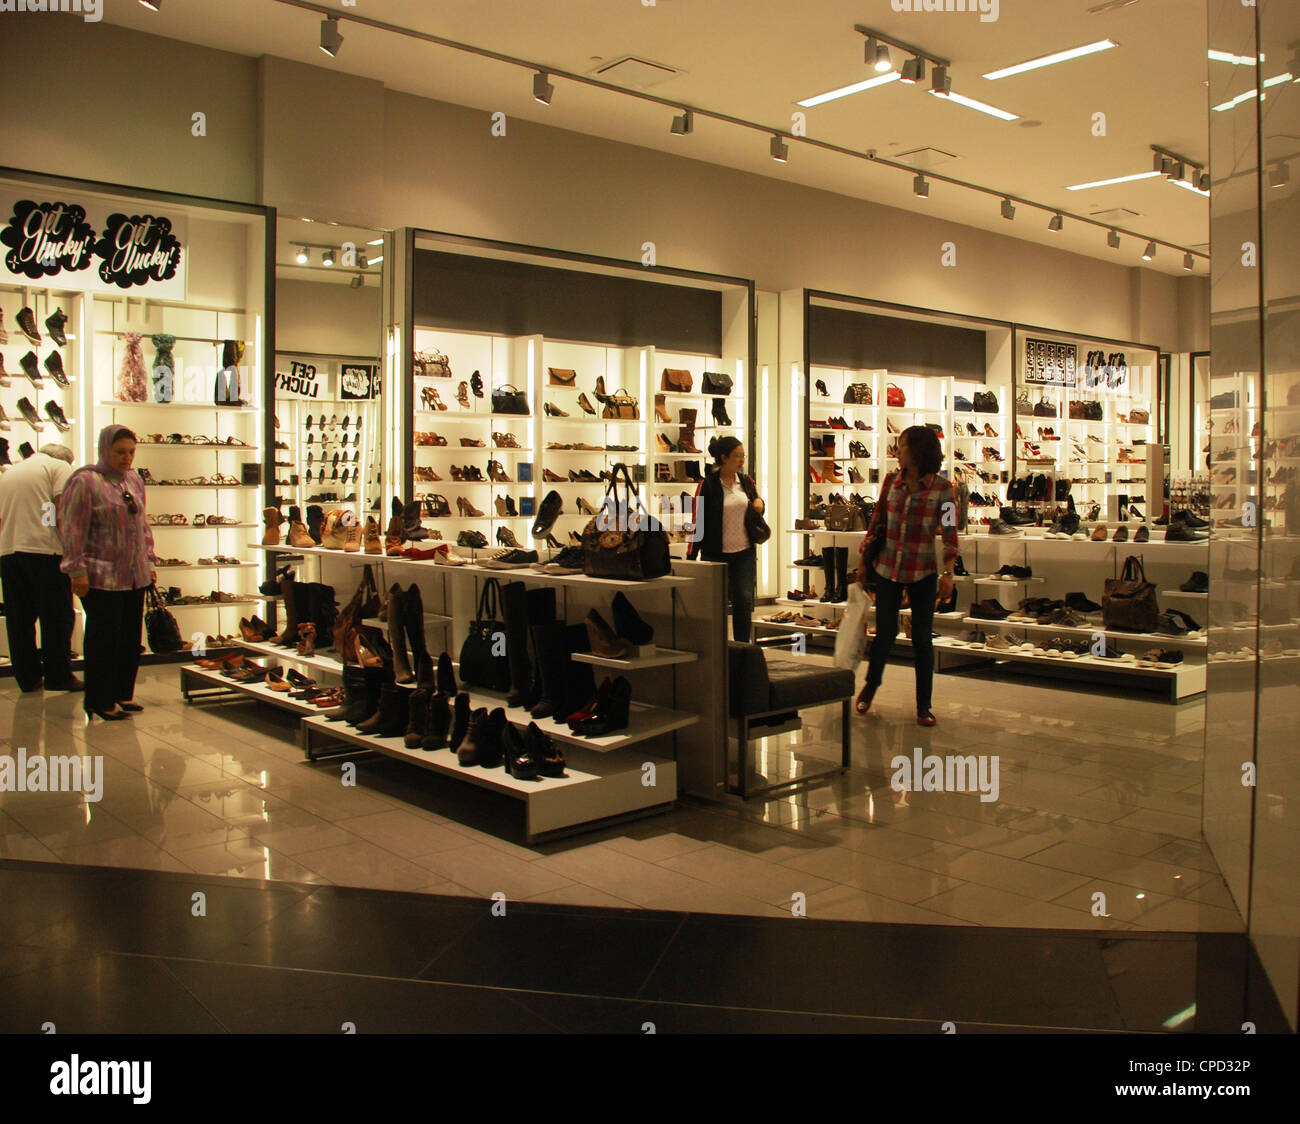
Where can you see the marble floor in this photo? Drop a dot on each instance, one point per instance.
(1096, 825)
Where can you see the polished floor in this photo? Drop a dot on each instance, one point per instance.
(1096, 825)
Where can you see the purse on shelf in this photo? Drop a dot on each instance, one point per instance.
(1093, 411)
(1045, 407)
(1076, 409)
(1129, 601)
(1139, 417)
(621, 405)
(483, 660)
(1023, 405)
(507, 400)
(160, 627)
(986, 402)
(755, 525)
(715, 382)
(857, 394)
(562, 376)
(364, 603)
(432, 364)
(839, 517)
(895, 397)
(677, 379)
(961, 402)
(610, 546)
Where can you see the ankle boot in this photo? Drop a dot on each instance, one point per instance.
(417, 726)
(661, 410)
(841, 574)
(828, 574)
(396, 533)
(315, 522)
(467, 752)
(435, 734)
(298, 533)
(273, 519)
(306, 638)
(288, 594)
(397, 636)
(686, 435)
(411, 528)
(720, 412)
(354, 696)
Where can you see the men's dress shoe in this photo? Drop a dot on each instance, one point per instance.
(1143, 534)
(1099, 533)
(990, 609)
(29, 412)
(56, 415)
(1191, 519)
(1175, 532)
(27, 322)
(1199, 582)
(31, 368)
(54, 364)
(1080, 603)
(1121, 535)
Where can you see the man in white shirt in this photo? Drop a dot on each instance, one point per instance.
(34, 587)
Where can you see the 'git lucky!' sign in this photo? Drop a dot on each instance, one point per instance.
(137, 250)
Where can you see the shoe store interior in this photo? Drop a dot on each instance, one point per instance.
(672, 470)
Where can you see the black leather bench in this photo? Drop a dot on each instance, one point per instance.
(767, 694)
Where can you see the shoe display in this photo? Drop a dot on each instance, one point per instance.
(27, 323)
(1175, 532)
(28, 411)
(1199, 582)
(55, 414)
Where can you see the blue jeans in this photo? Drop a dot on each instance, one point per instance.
(889, 597)
(742, 577)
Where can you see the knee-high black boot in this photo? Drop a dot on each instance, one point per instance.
(828, 574)
(514, 603)
(413, 625)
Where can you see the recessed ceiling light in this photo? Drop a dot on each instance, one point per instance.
(1117, 179)
(779, 149)
(1051, 60)
(845, 91)
(1057, 222)
(971, 103)
(921, 187)
(330, 39)
(1149, 252)
(1236, 60)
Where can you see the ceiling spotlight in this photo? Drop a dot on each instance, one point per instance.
(1189, 262)
(780, 150)
(1112, 239)
(877, 55)
(1203, 182)
(1178, 171)
(542, 89)
(684, 124)
(330, 39)
(914, 71)
(1280, 175)
(357, 281)
(362, 261)
(940, 83)
(327, 258)
(921, 187)
(1057, 222)
(1149, 252)
(1008, 211)
(1166, 165)
(303, 256)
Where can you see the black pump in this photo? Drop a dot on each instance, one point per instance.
(628, 623)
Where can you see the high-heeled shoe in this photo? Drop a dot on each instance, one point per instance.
(506, 537)
(429, 396)
(553, 411)
(863, 703)
(306, 638)
(466, 509)
(107, 715)
(585, 507)
(516, 755)
(612, 709)
(720, 412)
(497, 473)
(661, 410)
(547, 753)
(599, 392)
(585, 405)
(587, 711)
(663, 444)
(462, 395)
(366, 655)
(628, 622)
(476, 384)
(602, 639)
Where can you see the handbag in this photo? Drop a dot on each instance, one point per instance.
(507, 400)
(1045, 407)
(678, 379)
(1093, 411)
(715, 382)
(1138, 417)
(1023, 405)
(621, 404)
(755, 525)
(1076, 410)
(163, 633)
(562, 376)
(857, 394)
(894, 396)
(961, 402)
(875, 544)
(839, 517)
(483, 660)
(616, 542)
(364, 603)
(432, 364)
(986, 402)
(1129, 601)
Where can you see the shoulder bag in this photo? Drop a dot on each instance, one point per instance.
(1045, 407)
(715, 382)
(755, 525)
(871, 555)
(1093, 411)
(961, 402)
(612, 548)
(1140, 417)
(163, 633)
(364, 603)
(986, 402)
(677, 379)
(621, 404)
(1076, 409)
(857, 394)
(1023, 405)
(562, 376)
(507, 400)
(1129, 601)
(432, 364)
(480, 663)
(895, 397)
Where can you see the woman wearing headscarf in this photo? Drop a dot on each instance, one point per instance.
(108, 554)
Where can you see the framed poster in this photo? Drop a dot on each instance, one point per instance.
(359, 381)
(1049, 364)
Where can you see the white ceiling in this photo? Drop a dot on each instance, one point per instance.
(755, 59)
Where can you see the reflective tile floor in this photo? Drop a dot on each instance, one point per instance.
(1096, 825)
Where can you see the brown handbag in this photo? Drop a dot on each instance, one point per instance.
(1138, 417)
(839, 517)
(364, 603)
(562, 376)
(1076, 409)
(677, 379)
(612, 548)
(1129, 601)
(621, 405)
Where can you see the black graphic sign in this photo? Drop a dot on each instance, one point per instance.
(300, 381)
(47, 238)
(1050, 364)
(359, 381)
(136, 250)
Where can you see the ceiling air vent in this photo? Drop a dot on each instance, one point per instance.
(925, 157)
(1115, 216)
(636, 73)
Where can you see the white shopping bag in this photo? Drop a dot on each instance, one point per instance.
(851, 640)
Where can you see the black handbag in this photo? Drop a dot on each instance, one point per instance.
(483, 660)
(622, 541)
(507, 400)
(857, 394)
(715, 382)
(1045, 407)
(755, 525)
(986, 402)
(961, 402)
(160, 626)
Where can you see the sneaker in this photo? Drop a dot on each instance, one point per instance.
(568, 561)
(1000, 644)
(510, 559)
(445, 556)
(998, 527)
(54, 364)
(55, 415)
(28, 411)
(31, 367)
(27, 322)
(1143, 534)
(1099, 533)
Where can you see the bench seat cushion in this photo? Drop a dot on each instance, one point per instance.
(793, 686)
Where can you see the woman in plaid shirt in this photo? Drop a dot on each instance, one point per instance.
(916, 506)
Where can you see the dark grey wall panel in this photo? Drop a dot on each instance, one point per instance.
(864, 341)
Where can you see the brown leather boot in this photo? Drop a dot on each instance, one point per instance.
(686, 435)
(274, 520)
(306, 638)
(374, 544)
